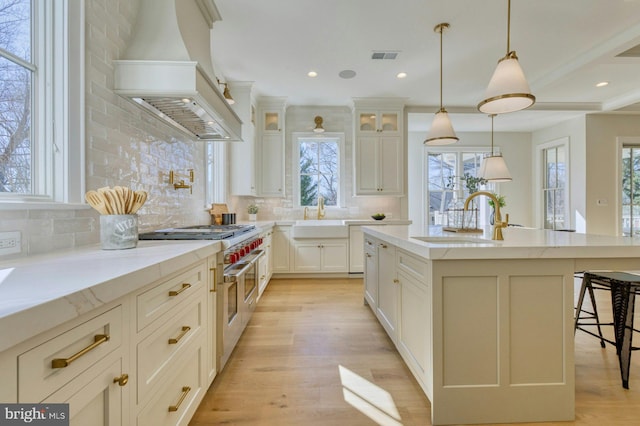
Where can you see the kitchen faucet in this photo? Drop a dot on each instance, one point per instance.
(320, 207)
(498, 224)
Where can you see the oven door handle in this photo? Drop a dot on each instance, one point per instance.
(232, 277)
(258, 254)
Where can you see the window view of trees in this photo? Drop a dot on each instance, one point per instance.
(631, 191)
(16, 74)
(319, 171)
(448, 182)
(555, 178)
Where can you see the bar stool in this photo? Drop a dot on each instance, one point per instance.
(623, 287)
(582, 314)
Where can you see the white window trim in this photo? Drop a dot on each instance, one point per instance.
(425, 171)
(216, 174)
(295, 136)
(62, 183)
(621, 142)
(563, 141)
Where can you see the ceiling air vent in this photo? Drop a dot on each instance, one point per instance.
(384, 55)
(634, 52)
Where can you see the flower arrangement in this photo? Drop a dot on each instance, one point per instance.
(470, 182)
(501, 201)
(252, 209)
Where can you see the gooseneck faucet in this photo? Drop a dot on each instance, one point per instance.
(498, 224)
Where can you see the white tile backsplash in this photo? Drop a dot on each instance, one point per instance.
(124, 146)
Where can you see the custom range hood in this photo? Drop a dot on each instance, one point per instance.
(167, 69)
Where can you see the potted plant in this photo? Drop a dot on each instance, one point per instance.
(252, 209)
(501, 203)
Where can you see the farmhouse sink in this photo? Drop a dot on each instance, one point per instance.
(320, 229)
(454, 240)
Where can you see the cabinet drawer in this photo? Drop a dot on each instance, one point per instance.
(155, 302)
(413, 265)
(370, 245)
(71, 352)
(157, 353)
(178, 398)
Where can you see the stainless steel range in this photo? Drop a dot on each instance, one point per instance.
(236, 294)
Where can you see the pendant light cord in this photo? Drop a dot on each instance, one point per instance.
(491, 115)
(508, 25)
(441, 30)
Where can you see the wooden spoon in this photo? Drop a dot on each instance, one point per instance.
(96, 201)
(140, 197)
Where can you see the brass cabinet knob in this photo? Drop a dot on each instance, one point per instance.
(122, 380)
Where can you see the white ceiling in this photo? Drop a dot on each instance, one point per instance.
(565, 47)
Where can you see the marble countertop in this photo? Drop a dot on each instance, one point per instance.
(40, 292)
(267, 224)
(518, 243)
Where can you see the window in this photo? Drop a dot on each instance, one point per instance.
(41, 114)
(554, 187)
(318, 169)
(446, 170)
(631, 190)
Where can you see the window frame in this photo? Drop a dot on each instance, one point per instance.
(295, 138)
(542, 148)
(58, 108)
(459, 151)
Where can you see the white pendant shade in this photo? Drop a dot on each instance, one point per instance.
(508, 90)
(494, 169)
(441, 132)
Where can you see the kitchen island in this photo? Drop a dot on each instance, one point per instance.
(486, 327)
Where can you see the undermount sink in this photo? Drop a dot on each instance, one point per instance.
(454, 240)
(313, 228)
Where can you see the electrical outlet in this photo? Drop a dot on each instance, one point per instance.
(10, 243)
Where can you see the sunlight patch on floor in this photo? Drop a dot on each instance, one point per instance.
(371, 400)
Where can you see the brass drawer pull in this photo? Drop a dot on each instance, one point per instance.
(383, 246)
(396, 281)
(185, 391)
(177, 292)
(174, 340)
(122, 380)
(63, 362)
(214, 285)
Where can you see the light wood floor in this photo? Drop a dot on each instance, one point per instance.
(312, 345)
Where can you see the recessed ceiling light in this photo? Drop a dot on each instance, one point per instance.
(312, 74)
(186, 100)
(401, 75)
(602, 84)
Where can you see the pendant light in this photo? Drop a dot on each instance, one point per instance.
(508, 90)
(493, 167)
(441, 132)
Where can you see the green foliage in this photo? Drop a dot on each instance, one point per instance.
(501, 201)
(308, 188)
(252, 209)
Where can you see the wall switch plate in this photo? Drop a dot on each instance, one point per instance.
(602, 202)
(10, 243)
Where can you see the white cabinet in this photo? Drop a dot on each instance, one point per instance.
(85, 365)
(265, 263)
(98, 396)
(370, 273)
(414, 330)
(242, 154)
(270, 144)
(215, 265)
(326, 255)
(379, 149)
(379, 165)
(370, 120)
(356, 254)
(388, 289)
(281, 244)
